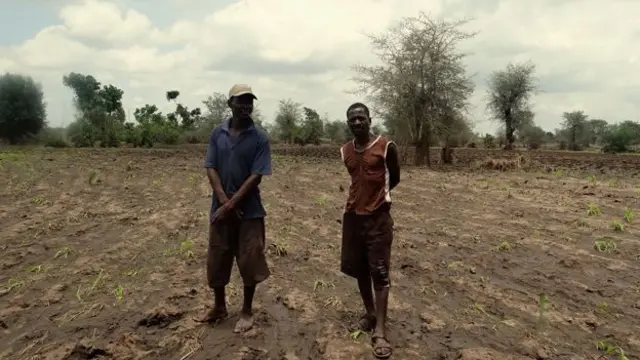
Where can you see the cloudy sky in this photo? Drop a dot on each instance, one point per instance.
(587, 51)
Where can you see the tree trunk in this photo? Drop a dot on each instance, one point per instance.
(418, 155)
(509, 130)
(446, 155)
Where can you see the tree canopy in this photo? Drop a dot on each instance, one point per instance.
(22, 108)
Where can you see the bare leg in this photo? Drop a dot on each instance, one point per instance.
(245, 323)
(219, 311)
(368, 320)
(381, 346)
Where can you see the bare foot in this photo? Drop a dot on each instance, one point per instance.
(214, 315)
(381, 347)
(244, 324)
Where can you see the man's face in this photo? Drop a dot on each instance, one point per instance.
(358, 121)
(242, 106)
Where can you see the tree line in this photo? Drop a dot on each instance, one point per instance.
(419, 93)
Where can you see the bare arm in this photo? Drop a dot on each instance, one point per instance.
(393, 164)
(216, 185)
(260, 166)
(252, 181)
(211, 164)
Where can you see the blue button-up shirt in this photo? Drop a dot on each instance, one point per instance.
(235, 159)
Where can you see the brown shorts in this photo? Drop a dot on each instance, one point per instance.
(242, 239)
(366, 246)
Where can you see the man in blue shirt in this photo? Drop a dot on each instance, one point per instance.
(237, 157)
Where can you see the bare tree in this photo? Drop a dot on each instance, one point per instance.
(422, 84)
(508, 97)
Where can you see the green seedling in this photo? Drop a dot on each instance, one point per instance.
(13, 284)
(64, 253)
(543, 303)
(321, 284)
(35, 269)
(86, 291)
(355, 335)
(593, 210)
(321, 201)
(592, 180)
(38, 201)
(605, 245)
(610, 349)
(277, 249)
(503, 246)
(628, 215)
(93, 177)
(617, 225)
(603, 309)
(119, 293)
(131, 273)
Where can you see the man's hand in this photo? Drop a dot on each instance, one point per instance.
(226, 206)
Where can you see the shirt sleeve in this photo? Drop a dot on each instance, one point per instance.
(262, 159)
(211, 159)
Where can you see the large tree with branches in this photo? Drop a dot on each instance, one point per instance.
(508, 96)
(421, 88)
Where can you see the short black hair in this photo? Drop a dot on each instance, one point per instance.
(358, 105)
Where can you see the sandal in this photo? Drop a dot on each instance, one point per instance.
(366, 323)
(381, 347)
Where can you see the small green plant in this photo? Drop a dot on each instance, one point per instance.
(617, 225)
(593, 210)
(86, 291)
(592, 180)
(543, 302)
(605, 245)
(93, 177)
(602, 309)
(321, 201)
(37, 200)
(64, 252)
(608, 348)
(119, 293)
(186, 248)
(356, 334)
(35, 269)
(504, 246)
(13, 284)
(321, 284)
(277, 249)
(628, 215)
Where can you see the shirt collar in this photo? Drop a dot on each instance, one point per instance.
(225, 125)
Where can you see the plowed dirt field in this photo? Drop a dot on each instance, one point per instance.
(102, 256)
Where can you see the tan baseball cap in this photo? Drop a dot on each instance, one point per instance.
(241, 89)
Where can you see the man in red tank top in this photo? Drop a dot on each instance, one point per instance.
(367, 226)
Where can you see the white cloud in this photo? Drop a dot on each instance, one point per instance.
(583, 49)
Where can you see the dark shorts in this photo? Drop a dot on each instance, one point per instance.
(366, 246)
(242, 239)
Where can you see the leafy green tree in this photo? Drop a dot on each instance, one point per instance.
(618, 138)
(287, 120)
(312, 129)
(337, 131)
(596, 129)
(489, 141)
(421, 86)
(99, 110)
(575, 126)
(22, 108)
(533, 136)
(509, 92)
(216, 110)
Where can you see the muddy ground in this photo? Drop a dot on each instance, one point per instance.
(102, 257)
